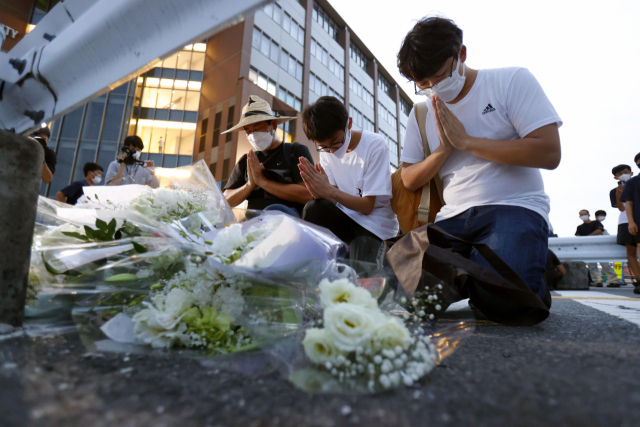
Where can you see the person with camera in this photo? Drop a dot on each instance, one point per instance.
(42, 135)
(129, 169)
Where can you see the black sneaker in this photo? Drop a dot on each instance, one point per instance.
(613, 285)
(636, 290)
(598, 285)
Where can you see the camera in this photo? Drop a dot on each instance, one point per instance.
(130, 158)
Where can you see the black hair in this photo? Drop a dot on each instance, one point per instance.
(619, 169)
(42, 132)
(427, 47)
(91, 167)
(598, 213)
(322, 119)
(636, 158)
(584, 210)
(135, 141)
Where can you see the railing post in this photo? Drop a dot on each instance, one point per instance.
(21, 160)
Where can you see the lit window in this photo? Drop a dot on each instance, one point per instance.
(180, 84)
(197, 61)
(152, 82)
(188, 47)
(262, 81)
(200, 47)
(271, 87)
(166, 83)
(193, 85)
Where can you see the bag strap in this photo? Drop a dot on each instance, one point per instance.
(425, 197)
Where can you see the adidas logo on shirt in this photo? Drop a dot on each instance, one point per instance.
(488, 109)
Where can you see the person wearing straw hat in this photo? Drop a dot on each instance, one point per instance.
(268, 176)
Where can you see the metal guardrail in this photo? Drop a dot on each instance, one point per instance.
(588, 249)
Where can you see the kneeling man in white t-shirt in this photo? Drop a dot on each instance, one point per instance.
(490, 132)
(351, 185)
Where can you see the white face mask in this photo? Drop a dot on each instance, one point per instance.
(584, 217)
(260, 141)
(624, 177)
(449, 88)
(601, 218)
(340, 152)
(97, 179)
(136, 155)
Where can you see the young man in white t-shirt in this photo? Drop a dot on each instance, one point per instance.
(489, 131)
(351, 185)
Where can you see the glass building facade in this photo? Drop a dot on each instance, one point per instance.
(160, 106)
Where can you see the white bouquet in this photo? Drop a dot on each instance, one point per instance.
(361, 343)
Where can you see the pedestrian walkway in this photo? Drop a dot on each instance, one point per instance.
(615, 304)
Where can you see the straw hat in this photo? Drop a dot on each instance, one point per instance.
(257, 110)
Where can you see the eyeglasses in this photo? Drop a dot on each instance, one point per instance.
(327, 149)
(424, 91)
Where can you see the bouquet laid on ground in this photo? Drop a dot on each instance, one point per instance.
(359, 343)
(168, 267)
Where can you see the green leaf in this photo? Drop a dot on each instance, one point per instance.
(76, 235)
(101, 224)
(139, 248)
(89, 232)
(124, 277)
(111, 228)
(50, 269)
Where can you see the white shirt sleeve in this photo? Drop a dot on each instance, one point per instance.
(112, 171)
(413, 151)
(377, 173)
(527, 105)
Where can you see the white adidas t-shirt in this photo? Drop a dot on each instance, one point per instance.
(363, 172)
(503, 104)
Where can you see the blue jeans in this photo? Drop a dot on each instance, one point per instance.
(283, 208)
(517, 235)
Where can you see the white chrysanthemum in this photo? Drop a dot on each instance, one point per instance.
(349, 325)
(319, 346)
(159, 325)
(55, 236)
(343, 291)
(390, 333)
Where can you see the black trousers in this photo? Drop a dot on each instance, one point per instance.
(363, 244)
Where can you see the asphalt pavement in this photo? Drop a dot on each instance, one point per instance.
(581, 367)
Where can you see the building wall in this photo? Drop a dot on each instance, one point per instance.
(15, 17)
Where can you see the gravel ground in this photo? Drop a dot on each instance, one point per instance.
(579, 368)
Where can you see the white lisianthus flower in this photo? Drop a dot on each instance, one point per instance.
(159, 325)
(343, 291)
(390, 333)
(319, 347)
(55, 236)
(228, 240)
(349, 325)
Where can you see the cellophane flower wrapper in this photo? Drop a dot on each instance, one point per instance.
(390, 348)
(277, 247)
(188, 199)
(198, 308)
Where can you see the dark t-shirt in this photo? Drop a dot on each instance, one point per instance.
(631, 193)
(74, 191)
(587, 229)
(276, 168)
(49, 155)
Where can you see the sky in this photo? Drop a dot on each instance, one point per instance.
(583, 53)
